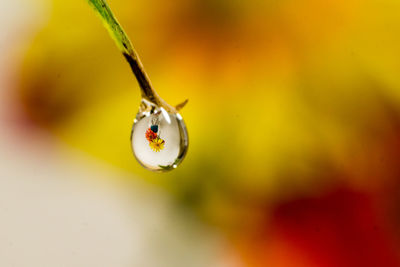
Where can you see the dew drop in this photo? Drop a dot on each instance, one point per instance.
(159, 138)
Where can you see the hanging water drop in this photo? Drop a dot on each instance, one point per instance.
(159, 138)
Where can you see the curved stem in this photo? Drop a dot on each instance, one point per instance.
(125, 46)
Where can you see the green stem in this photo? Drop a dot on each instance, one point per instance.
(125, 46)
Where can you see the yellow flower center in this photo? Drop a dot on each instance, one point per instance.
(157, 144)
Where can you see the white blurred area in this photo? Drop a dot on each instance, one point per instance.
(56, 212)
(61, 208)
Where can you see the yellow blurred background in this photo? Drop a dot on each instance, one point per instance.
(293, 120)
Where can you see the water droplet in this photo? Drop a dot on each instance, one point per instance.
(159, 138)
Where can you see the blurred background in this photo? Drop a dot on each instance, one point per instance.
(293, 119)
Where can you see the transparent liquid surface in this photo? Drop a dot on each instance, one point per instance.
(159, 139)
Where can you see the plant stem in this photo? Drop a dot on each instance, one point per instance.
(125, 46)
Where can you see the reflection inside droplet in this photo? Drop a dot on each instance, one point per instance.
(159, 139)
